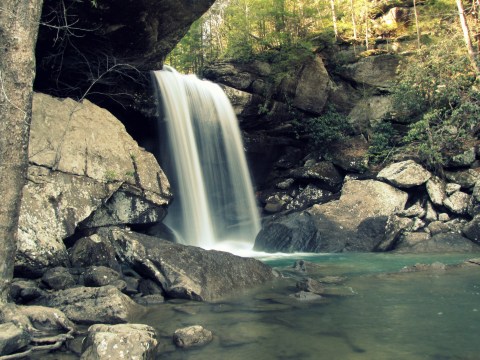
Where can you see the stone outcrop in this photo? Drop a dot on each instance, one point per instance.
(188, 272)
(84, 168)
(405, 174)
(123, 341)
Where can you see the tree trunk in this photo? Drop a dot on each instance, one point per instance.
(466, 37)
(334, 19)
(417, 26)
(19, 20)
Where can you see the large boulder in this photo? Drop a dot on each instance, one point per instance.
(123, 341)
(405, 174)
(83, 165)
(88, 305)
(355, 222)
(440, 243)
(186, 271)
(324, 172)
(466, 178)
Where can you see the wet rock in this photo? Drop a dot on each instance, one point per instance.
(192, 336)
(324, 172)
(87, 305)
(436, 190)
(457, 202)
(405, 174)
(58, 278)
(13, 338)
(93, 251)
(24, 291)
(300, 265)
(97, 276)
(313, 86)
(436, 266)
(394, 228)
(466, 178)
(472, 230)
(306, 296)
(188, 272)
(150, 300)
(125, 341)
(311, 285)
(442, 243)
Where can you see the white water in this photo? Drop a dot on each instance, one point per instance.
(214, 197)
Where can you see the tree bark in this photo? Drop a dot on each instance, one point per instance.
(334, 18)
(19, 21)
(466, 37)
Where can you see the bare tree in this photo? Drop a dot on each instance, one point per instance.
(417, 26)
(19, 22)
(466, 36)
(334, 18)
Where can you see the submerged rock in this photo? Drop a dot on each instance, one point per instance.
(440, 243)
(186, 271)
(192, 336)
(124, 341)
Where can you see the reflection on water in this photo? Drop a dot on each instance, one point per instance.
(423, 315)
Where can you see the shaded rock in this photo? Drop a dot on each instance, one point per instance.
(289, 159)
(58, 278)
(96, 276)
(436, 190)
(438, 227)
(441, 243)
(149, 287)
(430, 212)
(416, 210)
(463, 159)
(368, 112)
(24, 291)
(192, 336)
(311, 285)
(323, 171)
(150, 300)
(466, 178)
(309, 196)
(285, 184)
(313, 86)
(93, 250)
(405, 174)
(306, 296)
(409, 239)
(457, 202)
(300, 265)
(394, 228)
(443, 217)
(13, 338)
(230, 74)
(86, 305)
(472, 230)
(124, 341)
(474, 204)
(294, 232)
(188, 272)
(350, 155)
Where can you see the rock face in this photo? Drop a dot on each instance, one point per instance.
(125, 341)
(186, 271)
(440, 243)
(83, 166)
(355, 222)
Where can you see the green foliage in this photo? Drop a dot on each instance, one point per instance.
(110, 176)
(327, 128)
(383, 142)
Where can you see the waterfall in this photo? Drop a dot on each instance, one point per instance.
(214, 199)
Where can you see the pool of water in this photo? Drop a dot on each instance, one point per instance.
(377, 312)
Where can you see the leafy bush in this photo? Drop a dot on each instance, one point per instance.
(383, 142)
(327, 128)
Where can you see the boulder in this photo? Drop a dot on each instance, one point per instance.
(472, 230)
(452, 188)
(457, 202)
(188, 272)
(97, 276)
(463, 159)
(58, 278)
(192, 336)
(350, 155)
(395, 227)
(311, 285)
(309, 196)
(25, 291)
(369, 112)
(474, 204)
(93, 250)
(440, 243)
(405, 174)
(13, 338)
(80, 156)
(416, 210)
(430, 212)
(436, 190)
(324, 172)
(123, 341)
(86, 305)
(466, 178)
(355, 222)
(313, 87)
(376, 71)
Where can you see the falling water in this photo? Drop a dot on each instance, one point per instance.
(214, 194)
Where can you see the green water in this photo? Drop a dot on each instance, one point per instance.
(422, 315)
